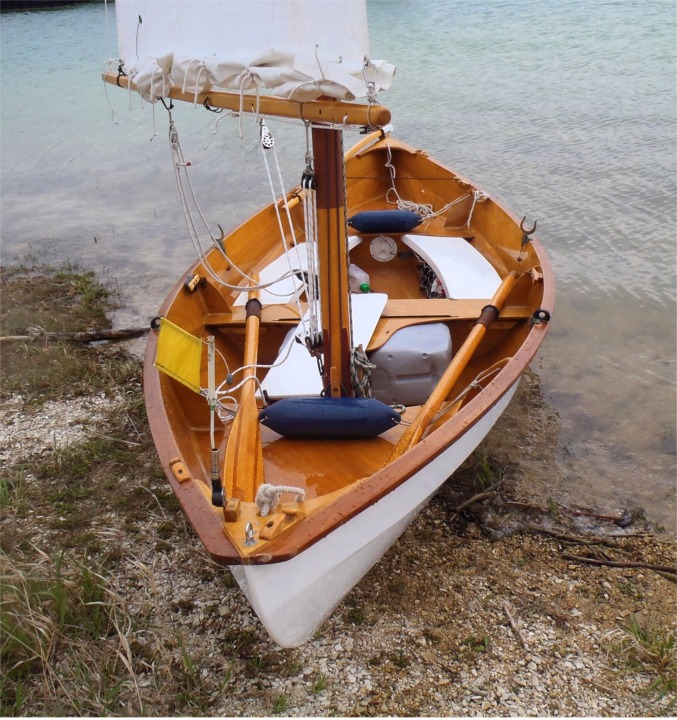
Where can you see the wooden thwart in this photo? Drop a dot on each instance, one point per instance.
(448, 309)
(277, 313)
(401, 313)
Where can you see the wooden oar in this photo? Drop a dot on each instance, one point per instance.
(458, 364)
(243, 463)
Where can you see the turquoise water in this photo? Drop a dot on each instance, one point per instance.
(564, 110)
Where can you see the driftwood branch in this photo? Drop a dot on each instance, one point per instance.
(671, 569)
(87, 336)
(514, 627)
(488, 493)
(607, 541)
(622, 520)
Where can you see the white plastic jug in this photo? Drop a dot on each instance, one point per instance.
(358, 279)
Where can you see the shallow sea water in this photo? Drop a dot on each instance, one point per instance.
(565, 111)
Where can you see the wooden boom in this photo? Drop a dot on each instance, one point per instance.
(332, 112)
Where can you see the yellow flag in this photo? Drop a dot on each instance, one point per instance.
(179, 354)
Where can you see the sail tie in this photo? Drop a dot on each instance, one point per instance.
(247, 77)
(201, 68)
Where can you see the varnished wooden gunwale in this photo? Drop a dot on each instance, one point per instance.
(528, 296)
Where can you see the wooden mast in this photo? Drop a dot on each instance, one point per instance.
(333, 260)
(330, 195)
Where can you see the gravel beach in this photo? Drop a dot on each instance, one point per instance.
(460, 618)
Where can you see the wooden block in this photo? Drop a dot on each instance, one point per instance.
(180, 470)
(231, 512)
(293, 511)
(273, 526)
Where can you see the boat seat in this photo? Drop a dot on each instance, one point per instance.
(463, 271)
(298, 374)
(289, 288)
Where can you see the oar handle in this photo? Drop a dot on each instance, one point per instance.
(243, 458)
(458, 364)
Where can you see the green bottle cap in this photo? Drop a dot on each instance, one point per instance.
(364, 287)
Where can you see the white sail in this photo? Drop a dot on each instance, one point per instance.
(299, 49)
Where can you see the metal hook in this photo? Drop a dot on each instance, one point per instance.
(207, 106)
(219, 240)
(525, 237)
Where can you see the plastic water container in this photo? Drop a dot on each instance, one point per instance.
(358, 279)
(410, 364)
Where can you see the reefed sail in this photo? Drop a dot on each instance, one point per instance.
(298, 49)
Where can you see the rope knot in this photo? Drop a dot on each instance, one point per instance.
(268, 496)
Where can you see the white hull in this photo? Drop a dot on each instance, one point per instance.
(293, 598)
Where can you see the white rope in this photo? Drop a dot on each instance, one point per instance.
(423, 210)
(187, 198)
(309, 201)
(477, 196)
(258, 366)
(111, 65)
(268, 496)
(242, 382)
(312, 289)
(267, 144)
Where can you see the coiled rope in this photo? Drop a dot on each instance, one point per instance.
(360, 373)
(424, 210)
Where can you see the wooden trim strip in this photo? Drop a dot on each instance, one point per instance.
(449, 309)
(269, 314)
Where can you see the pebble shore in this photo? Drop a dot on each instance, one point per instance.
(449, 623)
(443, 626)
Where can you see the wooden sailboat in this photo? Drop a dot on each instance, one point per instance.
(323, 368)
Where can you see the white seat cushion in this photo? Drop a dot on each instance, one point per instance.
(464, 272)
